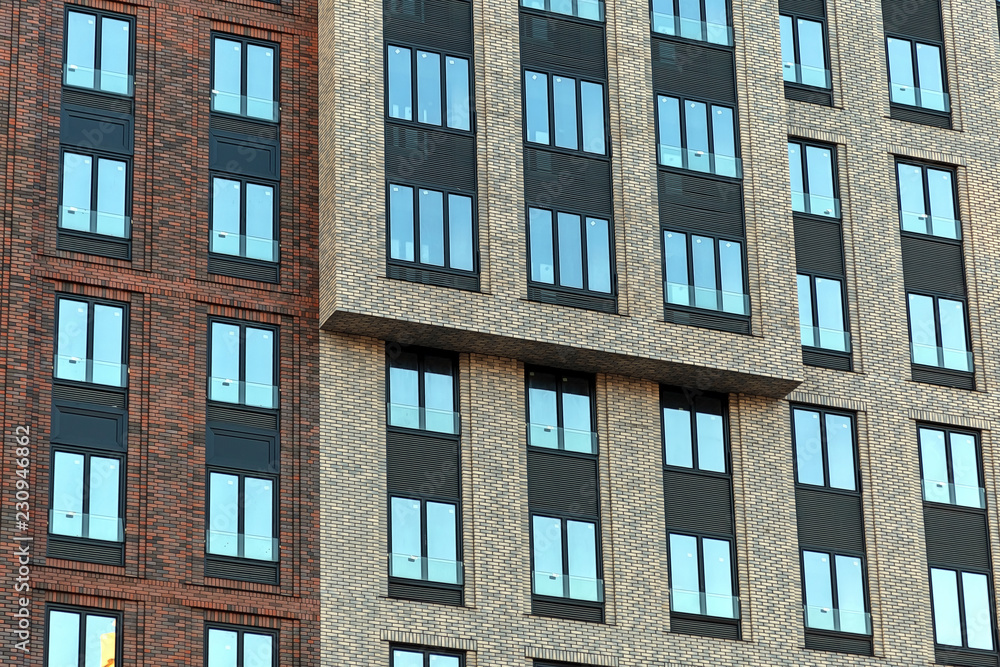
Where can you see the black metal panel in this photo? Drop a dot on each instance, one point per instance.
(267, 421)
(704, 627)
(569, 47)
(809, 95)
(956, 538)
(816, 8)
(698, 503)
(965, 658)
(604, 304)
(90, 551)
(943, 377)
(555, 179)
(259, 573)
(913, 18)
(83, 127)
(839, 643)
(104, 246)
(933, 266)
(707, 320)
(238, 125)
(430, 157)
(445, 25)
(415, 591)
(88, 425)
(819, 246)
(244, 448)
(561, 483)
(416, 274)
(837, 362)
(78, 394)
(829, 521)
(114, 104)
(244, 154)
(575, 612)
(265, 273)
(700, 204)
(424, 464)
(914, 115)
(687, 69)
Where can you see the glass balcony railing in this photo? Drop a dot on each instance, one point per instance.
(805, 75)
(828, 339)
(924, 223)
(78, 369)
(954, 494)
(439, 570)
(239, 245)
(942, 357)
(702, 31)
(256, 395)
(96, 222)
(423, 419)
(680, 294)
(704, 604)
(241, 545)
(584, 9)
(838, 620)
(560, 585)
(935, 100)
(97, 79)
(703, 161)
(244, 105)
(816, 204)
(90, 526)
(567, 439)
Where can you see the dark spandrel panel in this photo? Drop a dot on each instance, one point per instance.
(90, 128)
(819, 246)
(943, 377)
(704, 627)
(243, 449)
(92, 244)
(956, 538)
(810, 96)
(683, 68)
(829, 521)
(415, 591)
(912, 115)
(562, 483)
(839, 643)
(259, 573)
(427, 276)
(430, 157)
(698, 503)
(110, 553)
(223, 266)
(88, 426)
(564, 46)
(707, 320)
(816, 8)
(933, 266)
(575, 612)
(689, 202)
(837, 362)
(95, 101)
(443, 25)
(558, 180)
(965, 658)
(920, 19)
(244, 154)
(422, 464)
(261, 420)
(606, 304)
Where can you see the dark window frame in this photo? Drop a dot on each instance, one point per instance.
(98, 28)
(824, 449)
(88, 454)
(814, 298)
(710, 129)
(83, 612)
(555, 285)
(936, 297)
(275, 216)
(563, 518)
(422, 353)
(444, 55)
(91, 302)
(691, 398)
(916, 74)
(556, 373)
(427, 653)
(551, 112)
(827, 60)
(445, 193)
(925, 183)
(803, 144)
(241, 630)
(963, 624)
(701, 4)
(980, 472)
(423, 499)
(716, 239)
(245, 42)
(276, 360)
(831, 555)
(95, 155)
(274, 478)
(699, 537)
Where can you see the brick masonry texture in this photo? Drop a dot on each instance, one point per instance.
(161, 589)
(498, 330)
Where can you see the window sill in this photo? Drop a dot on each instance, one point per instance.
(832, 359)
(604, 303)
(576, 610)
(94, 244)
(415, 273)
(426, 591)
(919, 115)
(808, 94)
(235, 266)
(705, 626)
(943, 376)
(838, 642)
(707, 319)
(241, 569)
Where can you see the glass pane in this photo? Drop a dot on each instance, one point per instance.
(696, 132)
(225, 216)
(561, 6)
(257, 650)
(675, 256)
(677, 437)
(225, 363)
(400, 83)
(796, 181)
(570, 251)
(934, 466)
(457, 77)
(901, 83)
(404, 391)
(260, 222)
(978, 617)
(540, 234)
(953, 338)
(806, 310)
(724, 141)
(911, 198)
(431, 205)
(404, 538)
(81, 36)
(407, 659)
(717, 22)
(830, 314)
(260, 368)
(819, 590)
(947, 624)
(71, 361)
(943, 211)
(428, 88)
(811, 54)
(718, 578)
(711, 442)
(965, 466)
(663, 17)
(598, 256)
(103, 508)
(260, 82)
(808, 447)
(227, 73)
(258, 523)
(401, 222)
(851, 594)
(581, 549)
(542, 415)
(64, 639)
(109, 327)
(788, 60)
(443, 661)
(669, 126)
(115, 41)
(67, 494)
(684, 589)
(840, 451)
(460, 241)
(442, 543)
(222, 649)
(589, 9)
(546, 534)
(536, 107)
(577, 424)
(76, 191)
(223, 514)
(703, 257)
(690, 12)
(564, 109)
(731, 269)
(592, 108)
(101, 642)
(819, 162)
(930, 77)
(439, 394)
(112, 176)
(922, 334)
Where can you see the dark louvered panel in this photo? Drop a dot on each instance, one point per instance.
(242, 126)
(105, 246)
(265, 273)
(415, 591)
(112, 399)
(96, 101)
(563, 46)
(704, 627)
(839, 643)
(686, 69)
(912, 115)
(698, 503)
(700, 204)
(444, 25)
(555, 179)
(107, 553)
(430, 277)
(262, 420)
(815, 8)
(943, 377)
(560, 298)
(819, 246)
(837, 362)
(258, 573)
(707, 320)
(965, 658)
(956, 538)
(430, 157)
(829, 520)
(933, 266)
(561, 483)
(422, 464)
(809, 95)
(913, 18)
(575, 612)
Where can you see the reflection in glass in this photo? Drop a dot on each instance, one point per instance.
(592, 111)
(944, 592)
(840, 452)
(808, 447)
(227, 75)
(570, 251)
(223, 514)
(260, 222)
(222, 648)
(812, 56)
(401, 222)
(581, 550)
(546, 533)
(718, 578)
(404, 391)
(431, 203)
(460, 241)
(67, 494)
(428, 88)
(103, 499)
(459, 107)
(100, 642)
(407, 659)
(256, 650)
(677, 437)
(598, 255)
(978, 616)
(81, 37)
(404, 538)
(258, 522)
(71, 354)
(536, 107)
(923, 340)
(540, 234)
(901, 82)
(684, 588)
(442, 542)
(851, 595)
(259, 367)
(260, 82)
(564, 111)
(400, 83)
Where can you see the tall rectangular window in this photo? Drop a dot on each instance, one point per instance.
(432, 228)
(98, 51)
(812, 171)
(243, 365)
(803, 52)
(91, 341)
(927, 200)
(95, 194)
(560, 412)
(243, 217)
(241, 517)
(86, 496)
(565, 559)
(700, 20)
(82, 638)
(963, 607)
(423, 540)
(570, 250)
(230, 646)
(821, 313)
(824, 449)
(916, 74)
(938, 333)
(698, 136)
(701, 576)
(705, 272)
(410, 656)
(244, 78)
(583, 9)
(694, 433)
(564, 112)
(422, 391)
(834, 588)
(950, 467)
(428, 87)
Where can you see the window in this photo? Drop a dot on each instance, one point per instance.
(573, 120)
(86, 496)
(835, 592)
(963, 609)
(703, 20)
(244, 78)
(704, 272)
(414, 657)
(560, 412)
(821, 313)
(96, 196)
(243, 217)
(811, 169)
(687, 139)
(91, 343)
(584, 9)
(694, 434)
(241, 516)
(239, 647)
(916, 74)
(422, 391)
(938, 335)
(417, 81)
(243, 365)
(927, 201)
(565, 559)
(570, 250)
(78, 638)
(441, 224)
(701, 576)
(98, 51)
(824, 449)
(423, 542)
(803, 52)
(950, 468)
